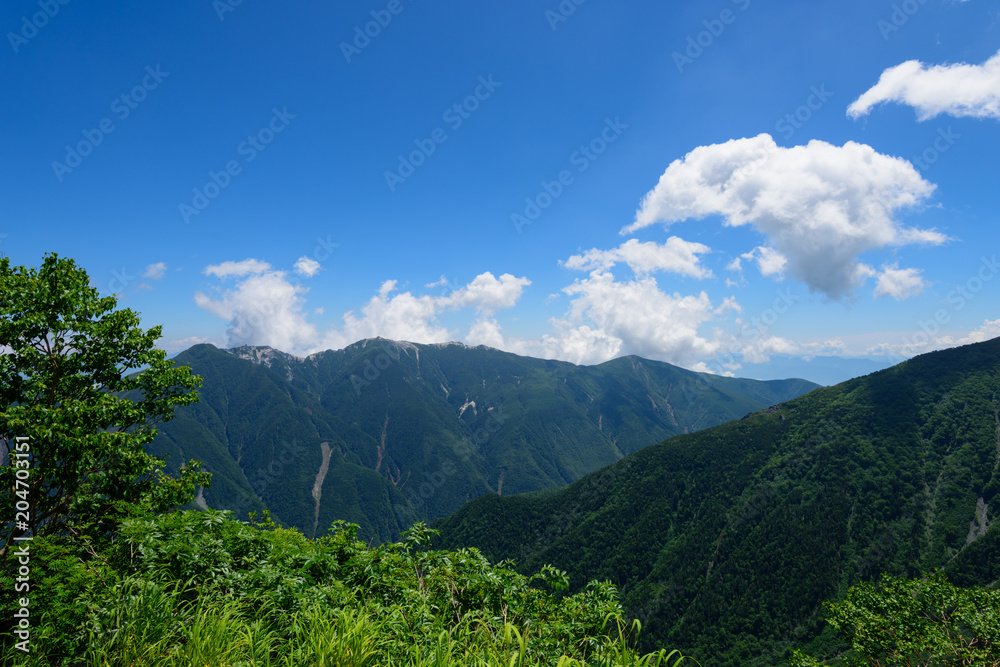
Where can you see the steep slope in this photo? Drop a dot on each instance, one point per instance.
(383, 434)
(725, 542)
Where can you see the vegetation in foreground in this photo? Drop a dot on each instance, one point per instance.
(198, 588)
(915, 622)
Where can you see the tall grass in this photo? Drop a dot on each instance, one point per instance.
(155, 627)
(272, 598)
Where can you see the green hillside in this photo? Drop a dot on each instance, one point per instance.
(725, 542)
(384, 434)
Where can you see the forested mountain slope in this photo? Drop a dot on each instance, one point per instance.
(725, 542)
(383, 434)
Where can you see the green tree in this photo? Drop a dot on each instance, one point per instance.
(69, 388)
(917, 622)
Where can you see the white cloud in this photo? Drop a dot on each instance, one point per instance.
(155, 271)
(769, 261)
(989, 330)
(307, 266)
(899, 283)
(958, 90)
(237, 269)
(759, 350)
(402, 316)
(485, 331)
(487, 294)
(930, 338)
(265, 308)
(676, 255)
(820, 206)
(607, 319)
(729, 304)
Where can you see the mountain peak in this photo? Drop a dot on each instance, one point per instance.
(260, 354)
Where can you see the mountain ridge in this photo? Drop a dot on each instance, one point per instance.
(416, 430)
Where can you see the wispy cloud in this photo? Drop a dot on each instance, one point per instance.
(958, 90)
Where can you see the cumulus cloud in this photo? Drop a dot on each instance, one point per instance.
(155, 271)
(769, 261)
(307, 266)
(676, 256)
(820, 206)
(237, 269)
(487, 294)
(401, 316)
(485, 331)
(607, 318)
(958, 90)
(899, 283)
(265, 307)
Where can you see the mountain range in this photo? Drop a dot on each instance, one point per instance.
(725, 542)
(384, 433)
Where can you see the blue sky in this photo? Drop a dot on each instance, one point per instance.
(706, 183)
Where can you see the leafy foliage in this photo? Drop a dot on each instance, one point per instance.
(199, 588)
(61, 386)
(917, 622)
